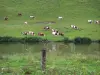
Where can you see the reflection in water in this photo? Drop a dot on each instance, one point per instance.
(61, 47)
(72, 47)
(54, 47)
(51, 46)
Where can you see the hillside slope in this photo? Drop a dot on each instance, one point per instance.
(73, 12)
(51, 8)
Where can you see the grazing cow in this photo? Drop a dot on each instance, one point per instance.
(6, 18)
(32, 17)
(26, 22)
(74, 27)
(41, 34)
(90, 21)
(47, 28)
(60, 17)
(19, 14)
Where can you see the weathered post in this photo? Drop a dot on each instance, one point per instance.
(43, 62)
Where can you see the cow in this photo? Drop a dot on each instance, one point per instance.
(41, 34)
(56, 32)
(19, 14)
(32, 17)
(62, 34)
(53, 31)
(25, 22)
(97, 21)
(74, 27)
(60, 17)
(6, 18)
(24, 33)
(90, 21)
(47, 28)
(28, 33)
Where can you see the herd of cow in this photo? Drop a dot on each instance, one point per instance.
(19, 14)
(53, 31)
(46, 28)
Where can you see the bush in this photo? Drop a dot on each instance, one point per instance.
(7, 39)
(98, 41)
(84, 40)
(66, 40)
(31, 39)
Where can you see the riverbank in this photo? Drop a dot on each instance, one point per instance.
(77, 40)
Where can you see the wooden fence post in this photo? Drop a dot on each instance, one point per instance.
(43, 62)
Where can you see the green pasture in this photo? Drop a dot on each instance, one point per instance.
(73, 12)
(56, 64)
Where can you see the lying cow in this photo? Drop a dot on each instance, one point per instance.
(25, 22)
(62, 34)
(19, 14)
(56, 32)
(32, 17)
(28, 33)
(60, 17)
(97, 21)
(47, 28)
(6, 18)
(74, 27)
(41, 34)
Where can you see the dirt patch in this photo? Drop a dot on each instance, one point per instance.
(46, 22)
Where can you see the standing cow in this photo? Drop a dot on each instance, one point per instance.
(60, 17)
(90, 21)
(32, 17)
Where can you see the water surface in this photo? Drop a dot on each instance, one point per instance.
(93, 48)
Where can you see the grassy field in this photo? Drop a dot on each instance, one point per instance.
(56, 64)
(73, 12)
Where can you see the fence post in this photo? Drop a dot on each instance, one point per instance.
(43, 62)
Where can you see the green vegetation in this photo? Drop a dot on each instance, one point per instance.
(83, 40)
(73, 12)
(56, 64)
(7, 39)
(77, 40)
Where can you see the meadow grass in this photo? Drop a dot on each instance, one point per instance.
(56, 64)
(73, 12)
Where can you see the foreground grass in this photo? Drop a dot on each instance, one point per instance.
(56, 64)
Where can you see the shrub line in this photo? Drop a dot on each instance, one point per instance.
(77, 40)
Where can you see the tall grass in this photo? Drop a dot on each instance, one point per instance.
(29, 63)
